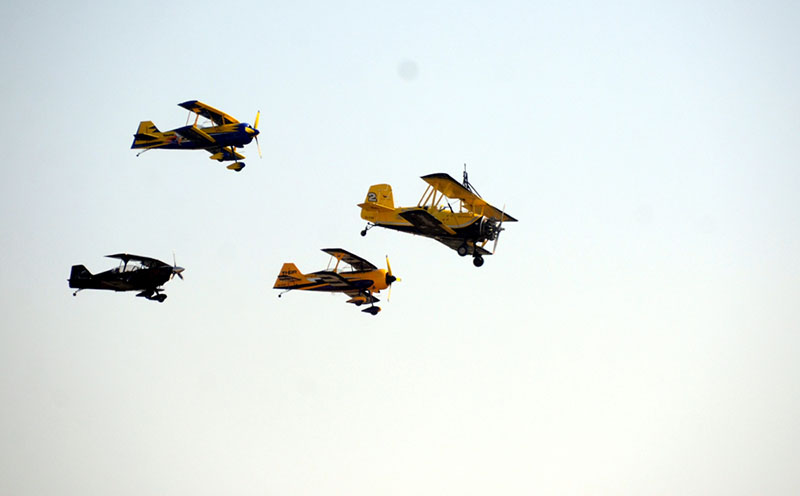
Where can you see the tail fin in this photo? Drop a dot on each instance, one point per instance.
(145, 135)
(289, 277)
(78, 273)
(379, 197)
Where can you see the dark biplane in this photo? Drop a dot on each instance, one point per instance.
(134, 273)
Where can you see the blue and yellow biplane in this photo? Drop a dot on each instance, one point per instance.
(220, 137)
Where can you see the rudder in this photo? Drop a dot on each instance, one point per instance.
(146, 133)
(379, 197)
(78, 273)
(289, 277)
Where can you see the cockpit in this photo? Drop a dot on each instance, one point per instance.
(129, 266)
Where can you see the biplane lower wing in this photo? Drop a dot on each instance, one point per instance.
(195, 133)
(221, 154)
(359, 298)
(455, 243)
(316, 281)
(328, 281)
(427, 224)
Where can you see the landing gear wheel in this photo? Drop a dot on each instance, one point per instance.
(477, 261)
(161, 298)
(462, 250)
(364, 232)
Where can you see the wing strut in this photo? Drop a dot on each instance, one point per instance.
(469, 185)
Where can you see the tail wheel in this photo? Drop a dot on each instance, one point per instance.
(477, 261)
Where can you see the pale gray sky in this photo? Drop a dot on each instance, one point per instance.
(636, 333)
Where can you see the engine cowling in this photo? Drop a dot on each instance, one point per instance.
(489, 228)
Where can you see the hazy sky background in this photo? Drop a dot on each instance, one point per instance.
(636, 333)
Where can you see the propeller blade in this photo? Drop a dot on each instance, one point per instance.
(175, 269)
(499, 229)
(390, 279)
(255, 125)
(258, 145)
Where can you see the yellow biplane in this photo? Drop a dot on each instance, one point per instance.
(466, 228)
(220, 137)
(346, 273)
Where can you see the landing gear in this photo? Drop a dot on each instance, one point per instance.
(369, 226)
(372, 310)
(236, 166)
(463, 251)
(153, 296)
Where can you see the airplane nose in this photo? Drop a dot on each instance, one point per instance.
(390, 279)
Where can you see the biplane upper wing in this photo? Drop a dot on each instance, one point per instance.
(427, 224)
(146, 261)
(354, 261)
(451, 188)
(216, 116)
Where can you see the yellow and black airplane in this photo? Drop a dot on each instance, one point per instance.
(350, 274)
(465, 229)
(220, 138)
(134, 273)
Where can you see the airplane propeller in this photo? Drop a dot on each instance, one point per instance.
(175, 269)
(499, 229)
(255, 127)
(390, 278)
